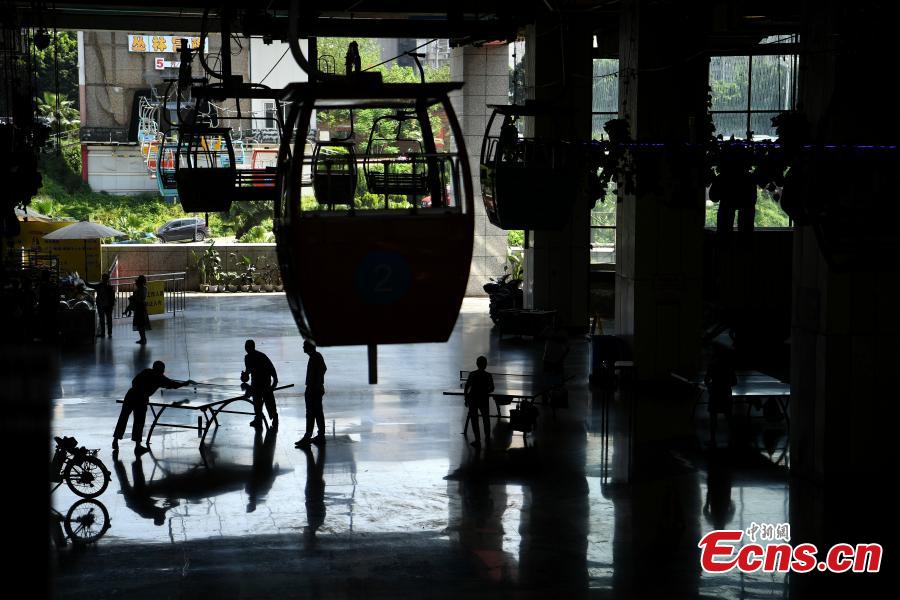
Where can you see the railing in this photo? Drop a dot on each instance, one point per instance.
(173, 292)
(603, 244)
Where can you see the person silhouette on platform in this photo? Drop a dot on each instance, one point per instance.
(106, 299)
(138, 304)
(315, 391)
(143, 386)
(263, 379)
(477, 391)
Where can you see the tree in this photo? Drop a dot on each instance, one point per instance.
(370, 55)
(67, 116)
(244, 216)
(62, 51)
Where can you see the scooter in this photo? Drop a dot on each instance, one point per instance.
(504, 293)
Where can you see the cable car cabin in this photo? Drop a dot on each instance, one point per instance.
(525, 182)
(394, 156)
(263, 169)
(240, 159)
(334, 173)
(165, 169)
(151, 153)
(386, 269)
(205, 170)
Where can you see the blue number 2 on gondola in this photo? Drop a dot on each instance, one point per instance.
(383, 277)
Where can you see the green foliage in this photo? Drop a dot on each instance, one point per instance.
(244, 216)
(516, 264)
(259, 234)
(768, 213)
(67, 117)
(63, 194)
(63, 52)
(208, 263)
(515, 237)
(338, 121)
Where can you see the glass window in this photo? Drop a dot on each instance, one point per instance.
(605, 103)
(747, 91)
(605, 98)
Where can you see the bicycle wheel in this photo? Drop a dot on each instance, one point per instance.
(86, 522)
(87, 478)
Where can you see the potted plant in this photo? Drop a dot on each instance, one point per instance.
(279, 285)
(264, 274)
(208, 264)
(231, 280)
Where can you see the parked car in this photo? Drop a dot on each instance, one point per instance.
(192, 229)
(144, 238)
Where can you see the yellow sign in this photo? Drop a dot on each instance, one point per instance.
(82, 256)
(162, 43)
(156, 302)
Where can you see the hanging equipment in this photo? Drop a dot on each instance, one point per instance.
(394, 272)
(526, 182)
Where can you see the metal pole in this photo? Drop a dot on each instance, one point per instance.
(373, 363)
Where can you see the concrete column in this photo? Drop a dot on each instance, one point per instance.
(663, 78)
(485, 71)
(559, 72)
(845, 324)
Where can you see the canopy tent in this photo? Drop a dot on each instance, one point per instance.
(84, 230)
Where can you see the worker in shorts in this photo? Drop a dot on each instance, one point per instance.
(263, 380)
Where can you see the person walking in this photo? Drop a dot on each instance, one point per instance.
(106, 298)
(315, 391)
(141, 319)
(143, 386)
(479, 385)
(263, 379)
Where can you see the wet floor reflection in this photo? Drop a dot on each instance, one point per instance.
(397, 502)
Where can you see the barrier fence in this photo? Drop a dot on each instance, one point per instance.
(165, 293)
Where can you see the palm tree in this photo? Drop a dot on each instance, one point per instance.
(68, 116)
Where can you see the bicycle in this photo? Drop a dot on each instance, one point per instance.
(83, 472)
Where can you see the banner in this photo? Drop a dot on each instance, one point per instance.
(156, 301)
(82, 256)
(163, 43)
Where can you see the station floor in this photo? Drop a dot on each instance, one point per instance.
(397, 503)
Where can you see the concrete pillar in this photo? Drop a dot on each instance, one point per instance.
(846, 326)
(485, 71)
(845, 342)
(559, 71)
(663, 79)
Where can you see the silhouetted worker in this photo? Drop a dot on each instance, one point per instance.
(315, 391)
(719, 379)
(352, 60)
(479, 386)
(734, 189)
(263, 378)
(315, 491)
(143, 386)
(106, 299)
(141, 319)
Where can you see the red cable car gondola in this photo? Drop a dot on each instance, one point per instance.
(393, 273)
